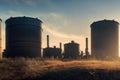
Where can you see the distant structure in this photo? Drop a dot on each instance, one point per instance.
(85, 55)
(23, 37)
(104, 39)
(0, 38)
(71, 50)
(47, 41)
(50, 52)
(86, 49)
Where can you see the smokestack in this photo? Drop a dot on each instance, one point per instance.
(86, 49)
(60, 45)
(47, 41)
(86, 43)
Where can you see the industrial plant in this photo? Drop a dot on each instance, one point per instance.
(24, 39)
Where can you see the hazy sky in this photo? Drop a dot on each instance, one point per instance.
(63, 20)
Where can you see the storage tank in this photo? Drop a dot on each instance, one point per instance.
(105, 39)
(71, 50)
(23, 37)
(0, 38)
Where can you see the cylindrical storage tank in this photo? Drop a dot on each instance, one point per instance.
(23, 37)
(105, 39)
(0, 38)
(71, 50)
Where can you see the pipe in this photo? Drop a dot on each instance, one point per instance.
(60, 45)
(47, 41)
(86, 43)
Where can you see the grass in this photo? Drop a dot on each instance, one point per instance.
(49, 69)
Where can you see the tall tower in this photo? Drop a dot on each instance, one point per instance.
(86, 49)
(48, 41)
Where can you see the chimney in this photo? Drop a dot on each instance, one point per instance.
(47, 41)
(86, 43)
(60, 45)
(86, 49)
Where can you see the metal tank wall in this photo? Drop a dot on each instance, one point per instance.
(0, 38)
(71, 50)
(23, 37)
(105, 39)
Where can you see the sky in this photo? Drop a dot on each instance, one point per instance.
(63, 20)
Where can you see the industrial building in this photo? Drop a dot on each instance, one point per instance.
(104, 39)
(0, 38)
(85, 55)
(52, 52)
(23, 37)
(71, 50)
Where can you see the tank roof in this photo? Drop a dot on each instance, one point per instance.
(24, 17)
(72, 42)
(104, 21)
(51, 48)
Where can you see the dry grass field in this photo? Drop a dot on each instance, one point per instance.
(40, 69)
